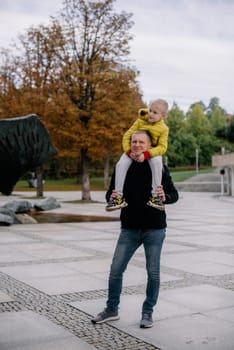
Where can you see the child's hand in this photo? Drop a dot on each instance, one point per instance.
(160, 192)
(140, 158)
(137, 157)
(132, 156)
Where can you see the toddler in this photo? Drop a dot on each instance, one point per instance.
(152, 121)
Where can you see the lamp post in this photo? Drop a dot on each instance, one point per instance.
(197, 160)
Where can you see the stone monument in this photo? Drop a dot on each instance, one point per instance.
(24, 145)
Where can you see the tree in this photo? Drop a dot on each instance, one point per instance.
(199, 125)
(74, 75)
(227, 133)
(214, 105)
(230, 131)
(217, 119)
(176, 123)
(94, 41)
(200, 103)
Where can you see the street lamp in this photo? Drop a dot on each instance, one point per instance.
(197, 160)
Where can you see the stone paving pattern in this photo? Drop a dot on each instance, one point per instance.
(53, 279)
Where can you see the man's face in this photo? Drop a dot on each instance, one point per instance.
(140, 143)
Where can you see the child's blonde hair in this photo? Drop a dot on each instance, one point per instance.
(162, 105)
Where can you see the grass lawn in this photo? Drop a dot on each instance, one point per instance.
(96, 183)
(179, 176)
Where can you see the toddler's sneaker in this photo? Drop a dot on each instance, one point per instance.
(156, 202)
(116, 203)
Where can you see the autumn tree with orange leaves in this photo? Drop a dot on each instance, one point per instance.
(73, 73)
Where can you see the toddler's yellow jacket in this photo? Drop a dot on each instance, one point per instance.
(158, 131)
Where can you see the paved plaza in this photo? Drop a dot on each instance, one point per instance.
(53, 279)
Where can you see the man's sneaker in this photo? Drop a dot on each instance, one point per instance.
(105, 316)
(156, 202)
(146, 321)
(116, 203)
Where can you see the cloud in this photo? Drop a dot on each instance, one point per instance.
(30, 7)
(17, 16)
(183, 49)
(211, 18)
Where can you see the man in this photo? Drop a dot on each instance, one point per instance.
(140, 224)
(152, 121)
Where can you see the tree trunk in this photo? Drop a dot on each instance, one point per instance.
(106, 172)
(39, 174)
(55, 169)
(85, 178)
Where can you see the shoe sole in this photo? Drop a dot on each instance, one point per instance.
(116, 207)
(159, 207)
(143, 326)
(112, 318)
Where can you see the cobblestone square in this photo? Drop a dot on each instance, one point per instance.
(53, 279)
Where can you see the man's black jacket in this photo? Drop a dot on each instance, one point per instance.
(137, 191)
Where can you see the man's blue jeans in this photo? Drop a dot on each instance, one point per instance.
(128, 242)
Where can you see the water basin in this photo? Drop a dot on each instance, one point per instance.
(45, 218)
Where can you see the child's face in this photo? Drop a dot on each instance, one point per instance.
(156, 113)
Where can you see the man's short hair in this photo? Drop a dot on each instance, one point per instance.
(145, 132)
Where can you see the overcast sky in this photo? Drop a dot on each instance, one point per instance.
(184, 49)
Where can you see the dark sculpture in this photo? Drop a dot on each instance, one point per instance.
(24, 145)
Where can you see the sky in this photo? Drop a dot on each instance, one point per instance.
(183, 49)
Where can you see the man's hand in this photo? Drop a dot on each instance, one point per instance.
(114, 194)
